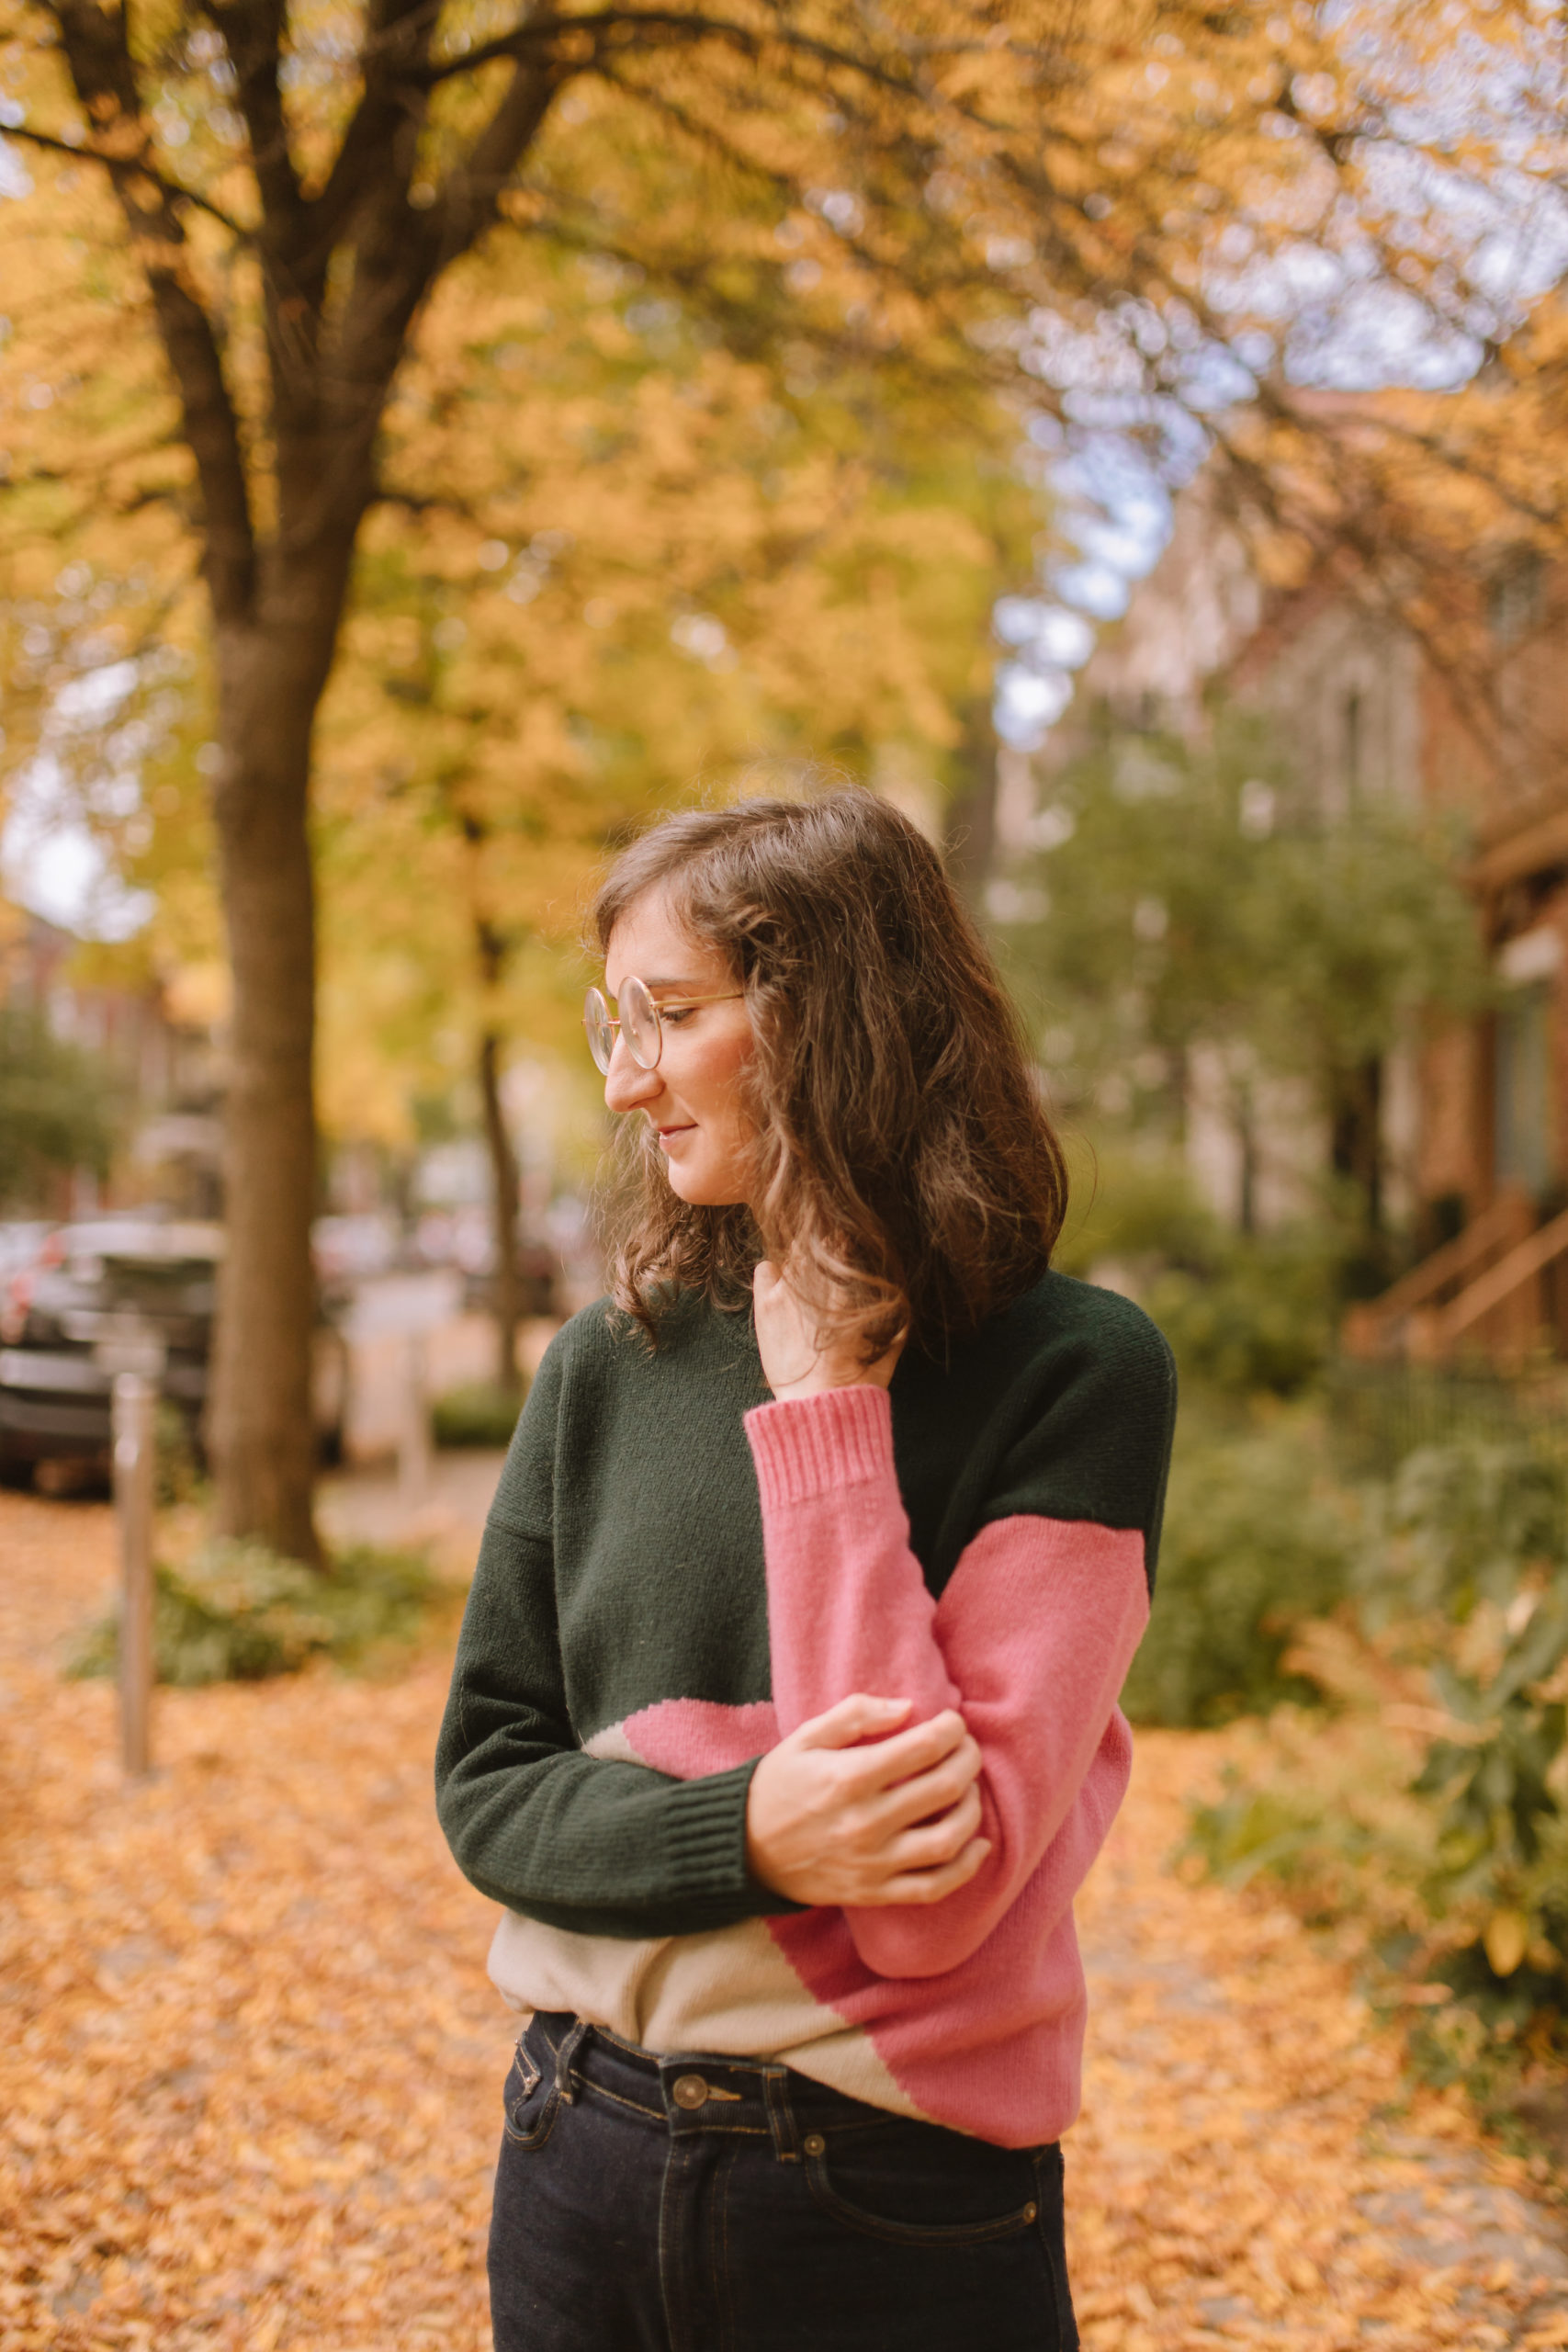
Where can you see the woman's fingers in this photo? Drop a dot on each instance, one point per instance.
(931, 1886)
(859, 1716)
(934, 1844)
(926, 1795)
(907, 1753)
(850, 1809)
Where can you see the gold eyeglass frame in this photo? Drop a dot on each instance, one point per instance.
(597, 1018)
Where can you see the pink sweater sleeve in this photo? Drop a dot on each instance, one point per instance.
(1031, 1640)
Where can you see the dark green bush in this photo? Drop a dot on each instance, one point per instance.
(1244, 1312)
(1257, 1314)
(482, 1413)
(236, 1613)
(1248, 1832)
(1462, 1523)
(1446, 1812)
(1140, 1211)
(177, 1473)
(1254, 1542)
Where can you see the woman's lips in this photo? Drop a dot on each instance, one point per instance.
(666, 1135)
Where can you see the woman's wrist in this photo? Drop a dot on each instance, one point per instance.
(826, 1381)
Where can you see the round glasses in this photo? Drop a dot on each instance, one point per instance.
(639, 1023)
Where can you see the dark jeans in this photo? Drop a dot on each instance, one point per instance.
(696, 2204)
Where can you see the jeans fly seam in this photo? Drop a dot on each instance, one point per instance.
(781, 2118)
(666, 2194)
(727, 2339)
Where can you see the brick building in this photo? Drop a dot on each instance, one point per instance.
(165, 1065)
(1474, 1115)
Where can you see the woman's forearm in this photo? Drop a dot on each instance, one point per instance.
(597, 1845)
(1030, 1644)
(592, 1843)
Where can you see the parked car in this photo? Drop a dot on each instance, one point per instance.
(21, 1239)
(101, 1295)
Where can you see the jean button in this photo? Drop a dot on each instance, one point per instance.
(815, 2144)
(689, 2091)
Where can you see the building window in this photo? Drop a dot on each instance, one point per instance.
(1515, 605)
(1522, 1125)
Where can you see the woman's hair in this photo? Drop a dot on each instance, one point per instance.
(904, 1166)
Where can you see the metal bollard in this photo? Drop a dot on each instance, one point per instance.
(135, 1407)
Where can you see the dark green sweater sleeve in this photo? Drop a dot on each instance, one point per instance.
(582, 1842)
(1097, 1417)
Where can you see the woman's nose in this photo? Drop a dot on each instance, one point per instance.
(627, 1086)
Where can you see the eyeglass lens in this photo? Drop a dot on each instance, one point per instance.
(639, 1024)
(599, 1034)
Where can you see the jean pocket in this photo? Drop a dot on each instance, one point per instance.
(901, 2195)
(531, 2099)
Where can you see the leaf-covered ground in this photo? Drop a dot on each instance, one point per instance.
(250, 2065)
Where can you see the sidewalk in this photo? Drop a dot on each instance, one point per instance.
(370, 1506)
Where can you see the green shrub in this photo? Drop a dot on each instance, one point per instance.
(1243, 1312)
(1459, 1524)
(1249, 1832)
(1253, 1543)
(1444, 1824)
(1258, 1314)
(237, 1612)
(482, 1413)
(176, 1473)
(1135, 1208)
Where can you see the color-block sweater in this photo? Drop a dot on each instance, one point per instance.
(676, 1572)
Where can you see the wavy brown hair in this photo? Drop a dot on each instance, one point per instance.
(906, 1170)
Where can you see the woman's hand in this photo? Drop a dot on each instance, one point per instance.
(792, 1363)
(827, 1821)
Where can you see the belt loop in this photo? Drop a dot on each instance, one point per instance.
(780, 2115)
(565, 2054)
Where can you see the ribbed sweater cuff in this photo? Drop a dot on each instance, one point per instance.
(819, 1445)
(705, 1834)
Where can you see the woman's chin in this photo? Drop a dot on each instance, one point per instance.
(703, 1190)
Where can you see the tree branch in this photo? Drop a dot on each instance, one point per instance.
(173, 191)
(622, 27)
(253, 35)
(104, 81)
(391, 60)
(403, 252)
(470, 199)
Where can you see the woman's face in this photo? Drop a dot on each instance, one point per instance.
(692, 1099)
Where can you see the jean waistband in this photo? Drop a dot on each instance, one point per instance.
(697, 2091)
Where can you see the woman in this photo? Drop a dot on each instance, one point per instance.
(783, 1717)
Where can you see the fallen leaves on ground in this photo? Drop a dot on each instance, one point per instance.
(250, 2066)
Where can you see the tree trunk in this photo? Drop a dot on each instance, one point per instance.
(261, 1432)
(506, 1196)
